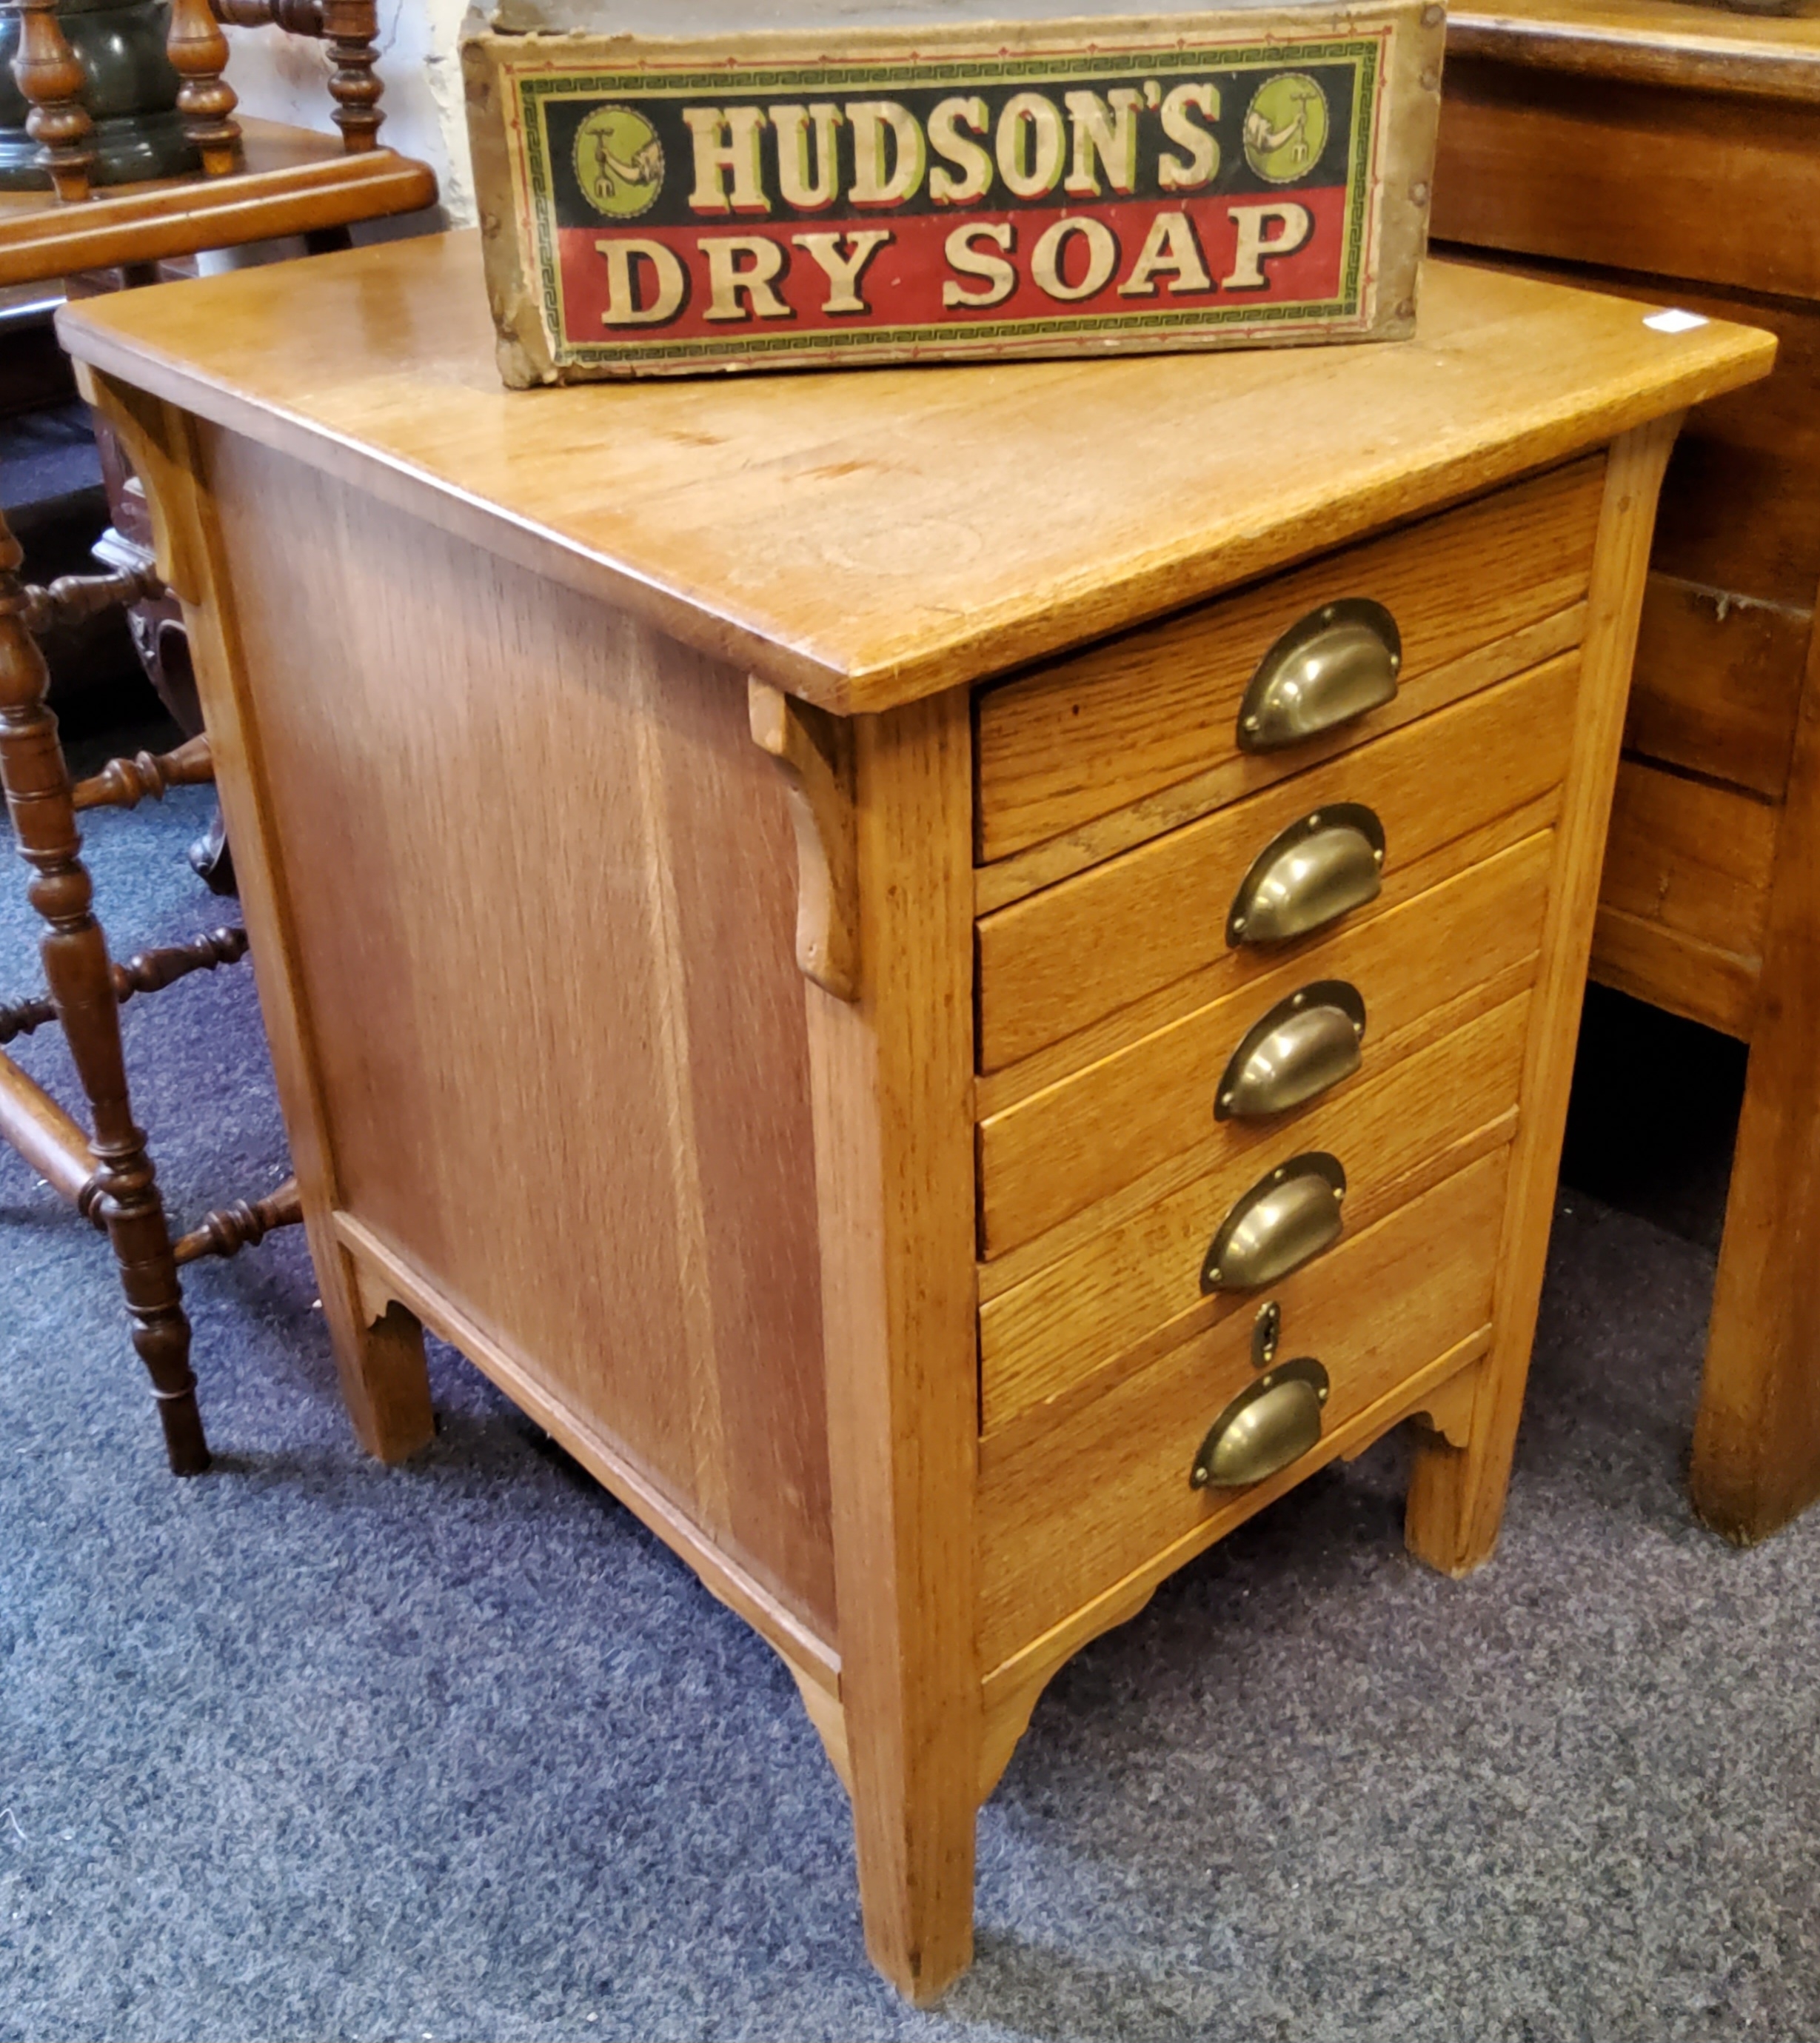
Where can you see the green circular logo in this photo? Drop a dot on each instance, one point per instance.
(618, 161)
(1286, 128)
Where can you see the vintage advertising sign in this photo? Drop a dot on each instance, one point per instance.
(688, 209)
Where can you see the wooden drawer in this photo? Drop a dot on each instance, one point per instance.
(1159, 707)
(1684, 896)
(1066, 957)
(1048, 1157)
(1070, 1508)
(1134, 1286)
(1717, 683)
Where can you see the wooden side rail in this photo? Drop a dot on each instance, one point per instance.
(146, 972)
(123, 784)
(72, 598)
(228, 1230)
(57, 1149)
(35, 1126)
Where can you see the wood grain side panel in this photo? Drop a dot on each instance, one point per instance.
(1554, 166)
(1717, 683)
(1143, 1273)
(1695, 858)
(1067, 1513)
(1053, 963)
(560, 1029)
(1055, 1153)
(1058, 748)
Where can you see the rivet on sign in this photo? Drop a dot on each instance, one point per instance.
(1252, 722)
(1238, 924)
(1225, 1099)
(1320, 1396)
(1377, 858)
(1214, 1276)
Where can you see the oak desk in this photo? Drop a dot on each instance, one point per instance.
(792, 1068)
(1671, 152)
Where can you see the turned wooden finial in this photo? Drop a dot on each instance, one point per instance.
(352, 27)
(46, 72)
(198, 53)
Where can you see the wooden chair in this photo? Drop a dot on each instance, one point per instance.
(258, 180)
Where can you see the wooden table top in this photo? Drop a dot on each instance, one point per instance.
(1659, 42)
(863, 539)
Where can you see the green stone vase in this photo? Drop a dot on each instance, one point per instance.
(130, 91)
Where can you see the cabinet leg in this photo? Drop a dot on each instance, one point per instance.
(1457, 1493)
(1756, 1440)
(914, 1831)
(378, 1347)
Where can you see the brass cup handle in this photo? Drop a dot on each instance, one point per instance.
(1329, 667)
(1320, 868)
(1284, 1221)
(1270, 1423)
(1303, 1047)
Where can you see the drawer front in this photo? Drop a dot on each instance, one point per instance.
(1069, 1509)
(1053, 1154)
(1160, 706)
(1076, 953)
(1717, 685)
(1137, 1284)
(1696, 859)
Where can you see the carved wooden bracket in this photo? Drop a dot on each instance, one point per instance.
(815, 750)
(1447, 1411)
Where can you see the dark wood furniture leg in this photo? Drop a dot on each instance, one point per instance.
(1757, 1441)
(41, 802)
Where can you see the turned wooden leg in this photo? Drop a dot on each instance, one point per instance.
(40, 800)
(1756, 1440)
(46, 72)
(198, 53)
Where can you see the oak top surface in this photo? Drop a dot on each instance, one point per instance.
(1674, 42)
(867, 537)
(679, 19)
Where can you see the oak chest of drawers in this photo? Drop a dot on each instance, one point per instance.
(954, 977)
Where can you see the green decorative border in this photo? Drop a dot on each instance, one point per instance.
(536, 92)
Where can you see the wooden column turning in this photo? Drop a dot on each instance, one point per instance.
(47, 72)
(198, 49)
(81, 982)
